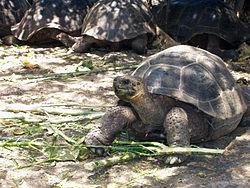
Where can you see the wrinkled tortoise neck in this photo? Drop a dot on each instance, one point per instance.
(149, 110)
(137, 96)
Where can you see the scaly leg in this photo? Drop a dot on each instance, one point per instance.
(112, 123)
(177, 131)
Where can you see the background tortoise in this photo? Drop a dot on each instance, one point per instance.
(185, 92)
(208, 24)
(117, 24)
(11, 12)
(46, 19)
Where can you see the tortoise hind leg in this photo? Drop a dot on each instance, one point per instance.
(139, 44)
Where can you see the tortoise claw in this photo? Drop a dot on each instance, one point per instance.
(95, 138)
(175, 159)
(98, 151)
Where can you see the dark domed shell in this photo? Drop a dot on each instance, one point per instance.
(11, 12)
(184, 19)
(66, 15)
(117, 20)
(194, 76)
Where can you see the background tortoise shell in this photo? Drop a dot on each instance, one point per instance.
(65, 15)
(11, 12)
(117, 20)
(183, 19)
(194, 76)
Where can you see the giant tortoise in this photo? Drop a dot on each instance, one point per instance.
(117, 24)
(46, 20)
(183, 92)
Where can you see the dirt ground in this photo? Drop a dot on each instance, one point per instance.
(45, 87)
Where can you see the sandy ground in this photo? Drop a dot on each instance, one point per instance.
(32, 77)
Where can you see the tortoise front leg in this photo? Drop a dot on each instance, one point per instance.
(177, 131)
(112, 123)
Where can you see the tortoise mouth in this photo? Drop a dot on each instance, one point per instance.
(124, 92)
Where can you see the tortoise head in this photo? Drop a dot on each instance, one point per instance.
(128, 88)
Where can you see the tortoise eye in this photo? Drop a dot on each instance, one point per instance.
(126, 82)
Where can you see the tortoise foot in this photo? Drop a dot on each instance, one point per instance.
(98, 151)
(175, 159)
(95, 138)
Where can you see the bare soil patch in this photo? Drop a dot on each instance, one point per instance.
(42, 88)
